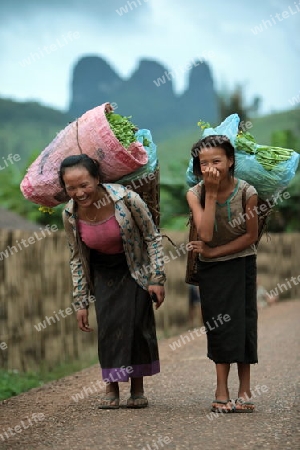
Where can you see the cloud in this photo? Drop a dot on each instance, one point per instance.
(170, 32)
(95, 10)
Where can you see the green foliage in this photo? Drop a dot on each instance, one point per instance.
(11, 197)
(26, 126)
(13, 382)
(267, 130)
(176, 150)
(174, 208)
(286, 213)
(177, 147)
(285, 139)
(123, 129)
(234, 103)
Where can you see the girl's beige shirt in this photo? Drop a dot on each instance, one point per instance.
(230, 220)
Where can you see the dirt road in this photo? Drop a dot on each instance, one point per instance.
(178, 416)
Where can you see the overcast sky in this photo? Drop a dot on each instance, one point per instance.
(173, 32)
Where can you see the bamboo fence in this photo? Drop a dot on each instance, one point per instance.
(35, 284)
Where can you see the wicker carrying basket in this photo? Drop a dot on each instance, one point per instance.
(191, 265)
(149, 192)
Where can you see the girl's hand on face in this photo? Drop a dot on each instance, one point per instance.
(211, 178)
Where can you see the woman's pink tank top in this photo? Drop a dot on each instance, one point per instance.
(102, 236)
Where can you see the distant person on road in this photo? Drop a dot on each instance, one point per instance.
(264, 298)
(194, 305)
(117, 255)
(226, 266)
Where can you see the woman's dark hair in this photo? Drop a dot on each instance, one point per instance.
(211, 141)
(90, 164)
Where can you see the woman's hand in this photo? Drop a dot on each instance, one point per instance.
(202, 248)
(160, 294)
(83, 320)
(108, 108)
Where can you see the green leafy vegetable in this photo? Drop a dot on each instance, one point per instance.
(146, 142)
(123, 128)
(267, 156)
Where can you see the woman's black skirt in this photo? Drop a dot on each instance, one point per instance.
(127, 343)
(229, 309)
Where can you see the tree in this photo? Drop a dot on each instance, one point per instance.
(234, 103)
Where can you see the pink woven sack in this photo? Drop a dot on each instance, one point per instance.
(90, 134)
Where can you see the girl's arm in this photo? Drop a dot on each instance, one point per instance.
(238, 244)
(204, 219)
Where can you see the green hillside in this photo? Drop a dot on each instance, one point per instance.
(27, 127)
(174, 152)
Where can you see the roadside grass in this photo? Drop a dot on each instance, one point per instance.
(13, 382)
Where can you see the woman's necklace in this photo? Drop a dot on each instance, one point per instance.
(90, 219)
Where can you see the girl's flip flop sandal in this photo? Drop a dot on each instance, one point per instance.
(222, 408)
(241, 406)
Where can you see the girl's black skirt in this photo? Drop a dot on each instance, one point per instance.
(127, 343)
(229, 309)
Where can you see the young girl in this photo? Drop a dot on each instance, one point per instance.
(225, 214)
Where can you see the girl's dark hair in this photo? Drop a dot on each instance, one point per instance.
(211, 141)
(90, 164)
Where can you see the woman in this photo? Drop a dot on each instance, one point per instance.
(225, 213)
(116, 254)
